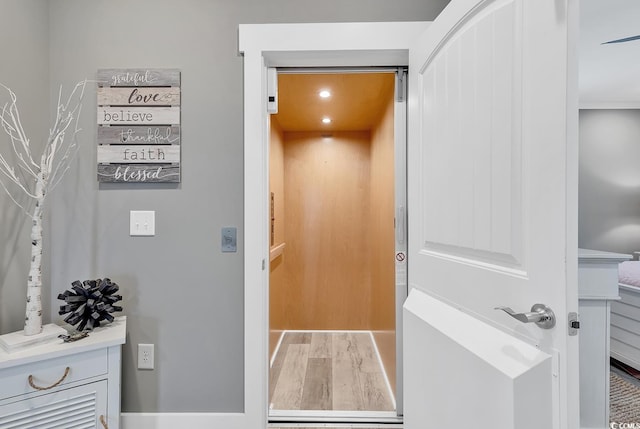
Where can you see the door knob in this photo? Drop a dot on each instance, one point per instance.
(540, 314)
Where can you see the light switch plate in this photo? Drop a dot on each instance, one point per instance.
(142, 223)
(229, 239)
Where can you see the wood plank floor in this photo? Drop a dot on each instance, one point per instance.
(328, 371)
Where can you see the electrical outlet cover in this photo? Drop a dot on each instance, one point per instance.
(146, 356)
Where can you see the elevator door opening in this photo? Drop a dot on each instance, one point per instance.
(337, 270)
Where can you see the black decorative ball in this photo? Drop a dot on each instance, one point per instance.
(89, 303)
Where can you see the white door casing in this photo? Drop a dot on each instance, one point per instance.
(289, 45)
(492, 208)
(400, 288)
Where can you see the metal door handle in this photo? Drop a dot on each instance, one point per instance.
(540, 314)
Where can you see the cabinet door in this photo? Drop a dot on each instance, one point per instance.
(74, 408)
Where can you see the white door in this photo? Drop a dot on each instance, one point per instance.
(492, 217)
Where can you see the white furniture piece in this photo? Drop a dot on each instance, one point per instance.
(597, 288)
(625, 316)
(64, 385)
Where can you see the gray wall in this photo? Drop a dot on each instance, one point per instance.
(24, 67)
(609, 201)
(181, 293)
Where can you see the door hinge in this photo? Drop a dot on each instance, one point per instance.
(264, 264)
(574, 324)
(401, 84)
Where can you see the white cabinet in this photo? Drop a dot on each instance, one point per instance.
(77, 407)
(597, 288)
(64, 385)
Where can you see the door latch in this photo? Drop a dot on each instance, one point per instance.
(574, 324)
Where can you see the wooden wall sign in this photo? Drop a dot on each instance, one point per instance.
(138, 125)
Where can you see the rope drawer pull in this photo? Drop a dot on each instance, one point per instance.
(104, 423)
(66, 372)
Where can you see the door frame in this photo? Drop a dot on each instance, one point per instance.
(400, 239)
(289, 45)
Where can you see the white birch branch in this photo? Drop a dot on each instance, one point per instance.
(16, 131)
(55, 161)
(14, 200)
(11, 174)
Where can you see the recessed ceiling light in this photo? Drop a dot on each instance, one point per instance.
(326, 120)
(324, 93)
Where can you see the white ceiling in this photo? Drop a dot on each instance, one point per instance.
(609, 74)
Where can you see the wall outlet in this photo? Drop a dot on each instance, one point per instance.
(145, 356)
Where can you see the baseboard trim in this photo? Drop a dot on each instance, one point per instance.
(185, 420)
